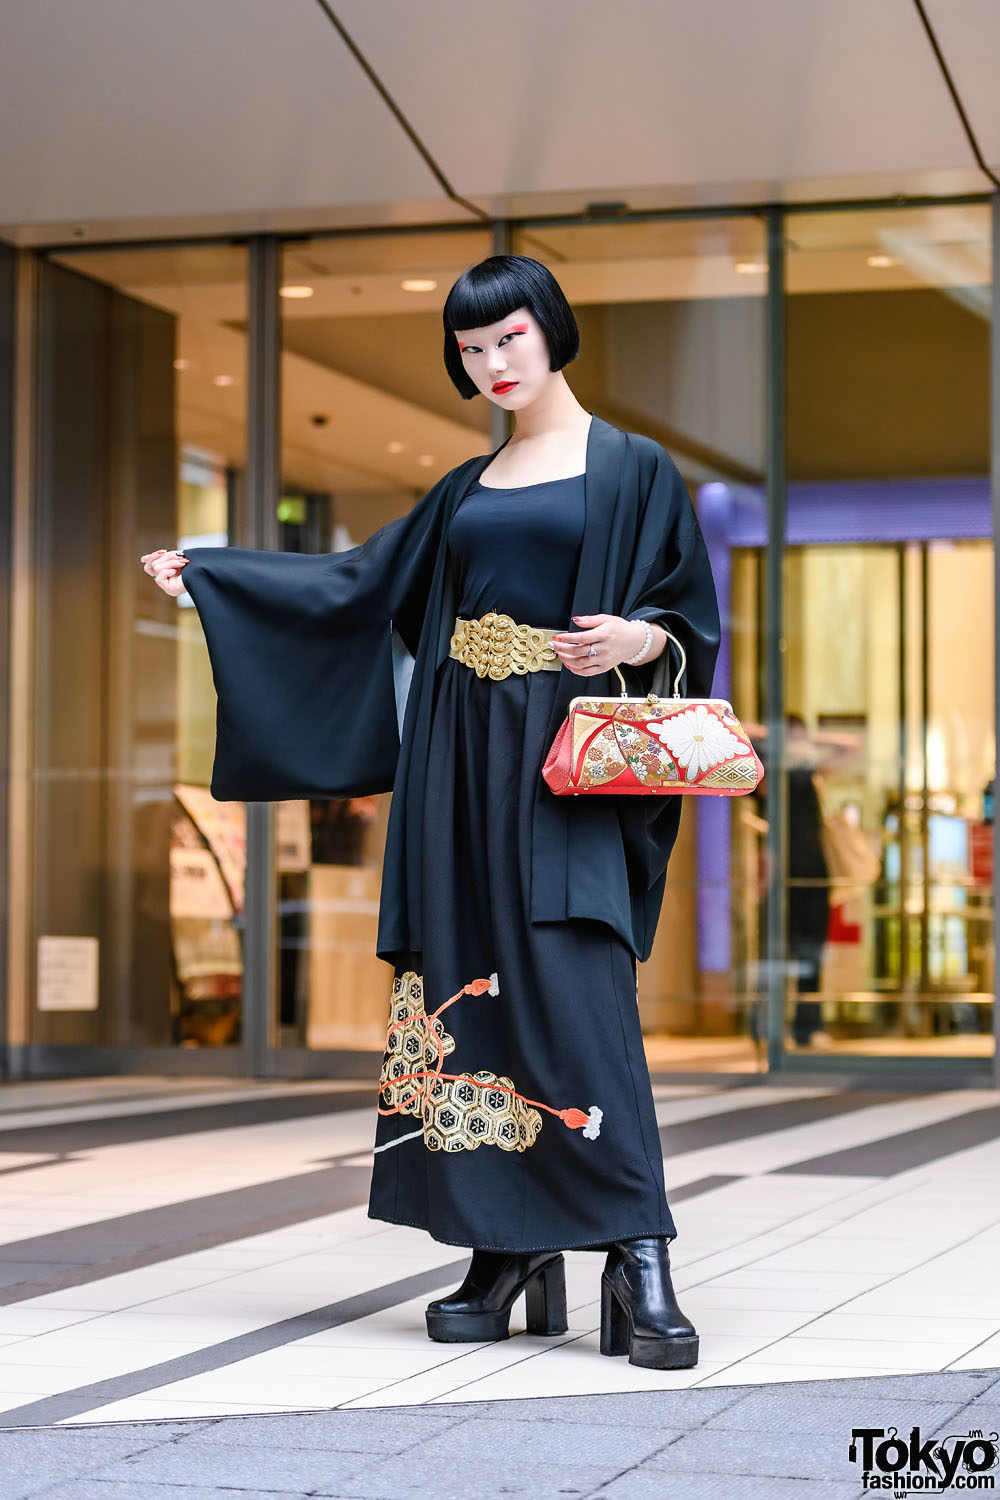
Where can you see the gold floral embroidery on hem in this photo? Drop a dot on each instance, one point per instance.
(459, 1111)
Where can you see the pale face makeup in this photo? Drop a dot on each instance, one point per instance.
(508, 360)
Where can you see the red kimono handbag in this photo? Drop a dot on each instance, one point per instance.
(652, 746)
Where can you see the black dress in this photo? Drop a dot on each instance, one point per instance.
(522, 1117)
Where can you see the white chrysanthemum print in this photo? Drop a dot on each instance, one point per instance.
(696, 739)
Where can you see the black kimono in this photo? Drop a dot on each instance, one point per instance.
(521, 1117)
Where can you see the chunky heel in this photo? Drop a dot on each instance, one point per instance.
(639, 1312)
(479, 1312)
(614, 1322)
(545, 1299)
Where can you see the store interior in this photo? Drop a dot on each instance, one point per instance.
(889, 756)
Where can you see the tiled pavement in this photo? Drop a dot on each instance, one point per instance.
(776, 1442)
(193, 1298)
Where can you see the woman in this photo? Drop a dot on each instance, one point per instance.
(438, 660)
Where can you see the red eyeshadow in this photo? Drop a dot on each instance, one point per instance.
(518, 328)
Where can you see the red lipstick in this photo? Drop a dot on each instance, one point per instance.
(503, 386)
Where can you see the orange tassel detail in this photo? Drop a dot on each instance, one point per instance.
(425, 1078)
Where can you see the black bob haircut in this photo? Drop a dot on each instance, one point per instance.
(494, 289)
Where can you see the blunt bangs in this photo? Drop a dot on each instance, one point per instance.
(494, 289)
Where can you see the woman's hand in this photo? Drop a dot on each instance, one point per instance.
(614, 640)
(165, 567)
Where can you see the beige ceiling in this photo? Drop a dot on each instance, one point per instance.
(125, 118)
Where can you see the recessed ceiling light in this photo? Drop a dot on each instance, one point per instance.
(418, 284)
(296, 291)
(395, 447)
(750, 267)
(182, 364)
(880, 261)
(425, 460)
(223, 380)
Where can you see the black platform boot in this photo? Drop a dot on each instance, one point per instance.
(639, 1312)
(480, 1309)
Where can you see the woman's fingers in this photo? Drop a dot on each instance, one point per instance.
(154, 563)
(589, 669)
(571, 648)
(165, 569)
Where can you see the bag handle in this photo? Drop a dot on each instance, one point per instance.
(680, 670)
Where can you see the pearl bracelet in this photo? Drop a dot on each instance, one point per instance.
(631, 661)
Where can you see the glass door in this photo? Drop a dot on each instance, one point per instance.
(888, 774)
(138, 874)
(888, 762)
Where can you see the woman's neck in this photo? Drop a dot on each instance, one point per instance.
(556, 413)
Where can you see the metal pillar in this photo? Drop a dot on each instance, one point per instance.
(8, 293)
(258, 527)
(995, 493)
(774, 642)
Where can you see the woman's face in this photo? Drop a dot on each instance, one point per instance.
(508, 361)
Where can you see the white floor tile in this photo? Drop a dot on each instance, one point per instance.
(837, 1285)
(168, 1327)
(983, 1354)
(763, 1374)
(11, 1400)
(137, 1410)
(795, 1301)
(713, 1321)
(899, 1298)
(101, 1356)
(47, 1379)
(903, 1328)
(250, 1388)
(856, 1354)
(825, 1253)
(22, 1321)
(475, 1361)
(323, 1361)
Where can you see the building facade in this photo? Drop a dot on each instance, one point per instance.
(825, 379)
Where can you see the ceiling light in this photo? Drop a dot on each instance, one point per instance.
(880, 261)
(223, 380)
(425, 460)
(395, 447)
(296, 291)
(750, 267)
(418, 284)
(182, 364)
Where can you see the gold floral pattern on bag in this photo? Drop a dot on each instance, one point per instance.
(641, 745)
(620, 745)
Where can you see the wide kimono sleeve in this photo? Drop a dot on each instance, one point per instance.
(302, 649)
(672, 581)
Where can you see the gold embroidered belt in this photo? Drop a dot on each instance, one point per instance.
(495, 646)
